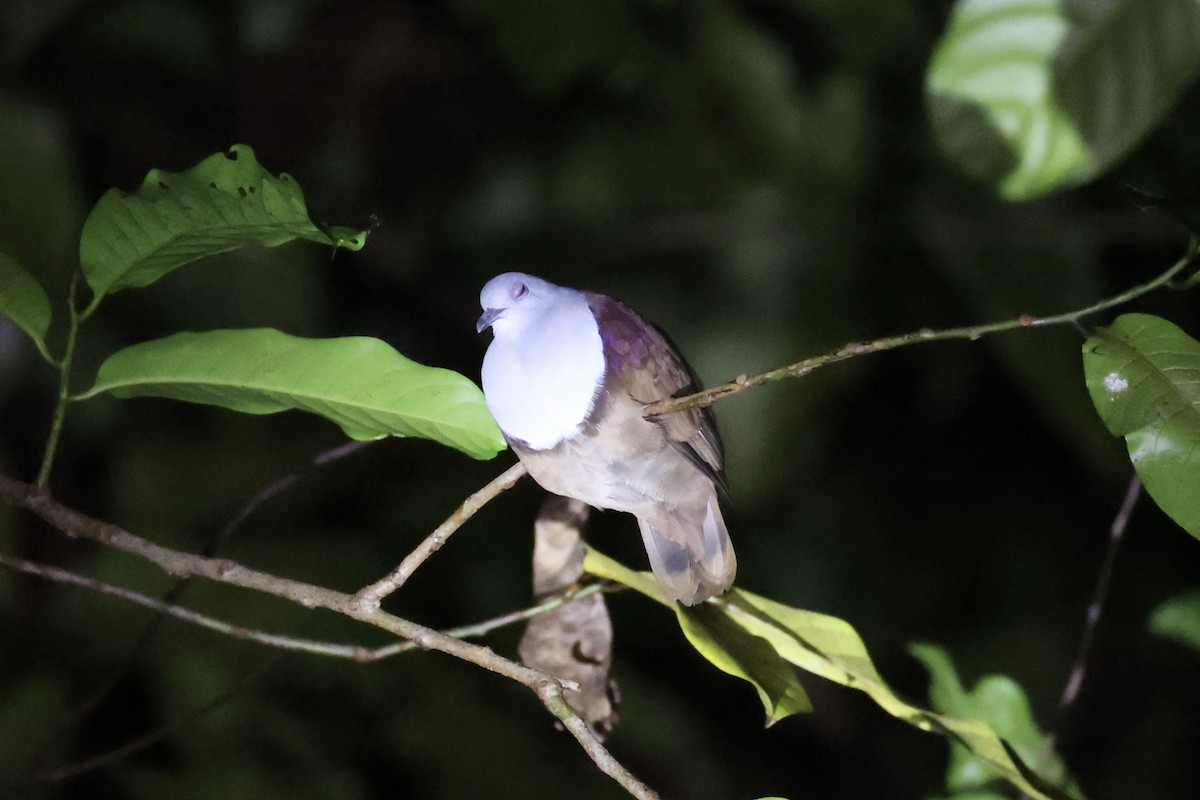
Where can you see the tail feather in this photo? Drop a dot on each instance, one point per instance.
(691, 554)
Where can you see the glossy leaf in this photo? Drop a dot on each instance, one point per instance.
(830, 647)
(1033, 95)
(1143, 374)
(360, 383)
(23, 300)
(997, 700)
(225, 202)
(1179, 619)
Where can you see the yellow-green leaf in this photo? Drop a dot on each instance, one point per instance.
(732, 649)
(830, 647)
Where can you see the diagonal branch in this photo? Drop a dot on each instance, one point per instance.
(707, 397)
(547, 688)
(368, 598)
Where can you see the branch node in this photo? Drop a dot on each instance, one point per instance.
(366, 602)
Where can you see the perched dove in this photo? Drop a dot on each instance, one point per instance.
(567, 376)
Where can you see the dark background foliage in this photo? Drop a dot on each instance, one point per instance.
(757, 177)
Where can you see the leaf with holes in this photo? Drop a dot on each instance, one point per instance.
(1032, 95)
(23, 300)
(360, 383)
(1143, 374)
(225, 202)
(830, 647)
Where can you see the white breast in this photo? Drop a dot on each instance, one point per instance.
(540, 380)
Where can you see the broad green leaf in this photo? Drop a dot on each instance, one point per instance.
(831, 648)
(23, 300)
(360, 383)
(225, 202)
(1033, 95)
(1000, 702)
(1179, 619)
(732, 649)
(1143, 374)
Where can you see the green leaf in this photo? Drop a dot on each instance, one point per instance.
(225, 202)
(728, 647)
(23, 300)
(733, 650)
(1179, 619)
(1001, 703)
(1033, 95)
(830, 647)
(1143, 374)
(360, 383)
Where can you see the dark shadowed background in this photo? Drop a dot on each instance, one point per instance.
(756, 177)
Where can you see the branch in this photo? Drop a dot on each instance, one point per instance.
(707, 397)
(290, 643)
(368, 598)
(170, 599)
(548, 688)
(279, 485)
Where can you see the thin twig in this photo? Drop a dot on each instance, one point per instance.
(281, 642)
(86, 707)
(1099, 595)
(369, 597)
(799, 369)
(150, 738)
(548, 688)
(1116, 533)
(279, 485)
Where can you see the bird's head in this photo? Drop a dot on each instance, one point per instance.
(510, 301)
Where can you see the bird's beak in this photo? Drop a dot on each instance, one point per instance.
(489, 316)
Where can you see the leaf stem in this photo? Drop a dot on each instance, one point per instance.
(707, 397)
(64, 390)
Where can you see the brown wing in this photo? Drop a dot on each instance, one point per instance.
(643, 362)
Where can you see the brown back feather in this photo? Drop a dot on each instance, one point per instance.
(642, 362)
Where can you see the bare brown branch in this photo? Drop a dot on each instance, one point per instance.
(548, 688)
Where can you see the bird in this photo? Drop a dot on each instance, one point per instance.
(567, 377)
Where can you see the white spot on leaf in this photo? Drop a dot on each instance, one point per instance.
(1115, 383)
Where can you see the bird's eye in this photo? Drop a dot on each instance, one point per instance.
(518, 291)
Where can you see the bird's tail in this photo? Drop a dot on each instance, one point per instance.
(691, 554)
